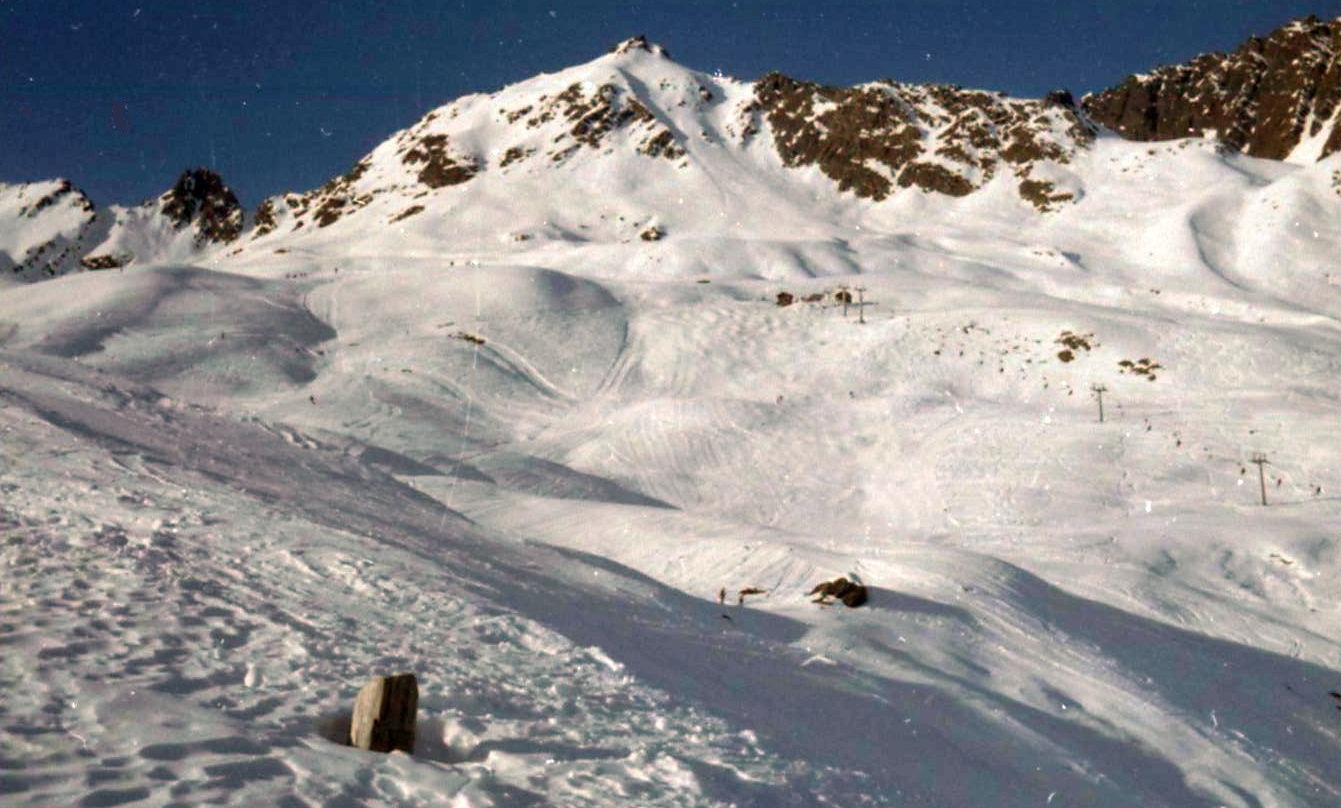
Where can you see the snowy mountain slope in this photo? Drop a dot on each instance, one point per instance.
(589, 161)
(632, 147)
(157, 437)
(511, 444)
(160, 699)
(555, 172)
(44, 225)
(1100, 673)
(688, 134)
(51, 228)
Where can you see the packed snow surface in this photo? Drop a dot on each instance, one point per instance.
(523, 468)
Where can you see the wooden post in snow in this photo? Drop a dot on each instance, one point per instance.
(385, 713)
(1261, 461)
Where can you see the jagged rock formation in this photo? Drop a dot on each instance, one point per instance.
(640, 42)
(1274, 96)
(201, 213)
(199, 197)
(936, 137)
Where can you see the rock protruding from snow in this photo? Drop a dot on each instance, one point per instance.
(199, 213)
(1273, 96)
(200, 198)
(850, 593)
(440, 167)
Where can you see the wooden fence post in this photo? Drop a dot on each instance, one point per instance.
(385, 713)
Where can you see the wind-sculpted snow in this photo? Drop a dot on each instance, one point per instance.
(238, 684)
(213, 333)
(529, 487)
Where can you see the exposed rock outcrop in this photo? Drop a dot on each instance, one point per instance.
(440, 166)
(200, 198)
(592, 115)
(1270, 97)
(940, 138)
(640, 43)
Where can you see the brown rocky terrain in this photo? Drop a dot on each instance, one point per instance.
(940, 138)
(1264, 99)
(592, 116)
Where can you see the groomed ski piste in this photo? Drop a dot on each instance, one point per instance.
(524, 467)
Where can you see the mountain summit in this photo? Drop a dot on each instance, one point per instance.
(686, 148)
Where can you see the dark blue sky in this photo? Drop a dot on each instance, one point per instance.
(121, 96)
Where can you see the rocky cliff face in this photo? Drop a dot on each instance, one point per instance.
(1276, 97)
(941, 138)
(200, 198)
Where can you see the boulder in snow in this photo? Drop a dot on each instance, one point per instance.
(851, 594)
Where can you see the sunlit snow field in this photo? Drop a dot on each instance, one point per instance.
(523, 469)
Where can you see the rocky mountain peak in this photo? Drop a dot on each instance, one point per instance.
(1277, 96)
(545, 123)
(640, 43)
(43, 224)
(199, 197)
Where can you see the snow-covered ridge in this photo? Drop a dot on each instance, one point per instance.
(50, 228)
(42, 227)
(593, 118)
